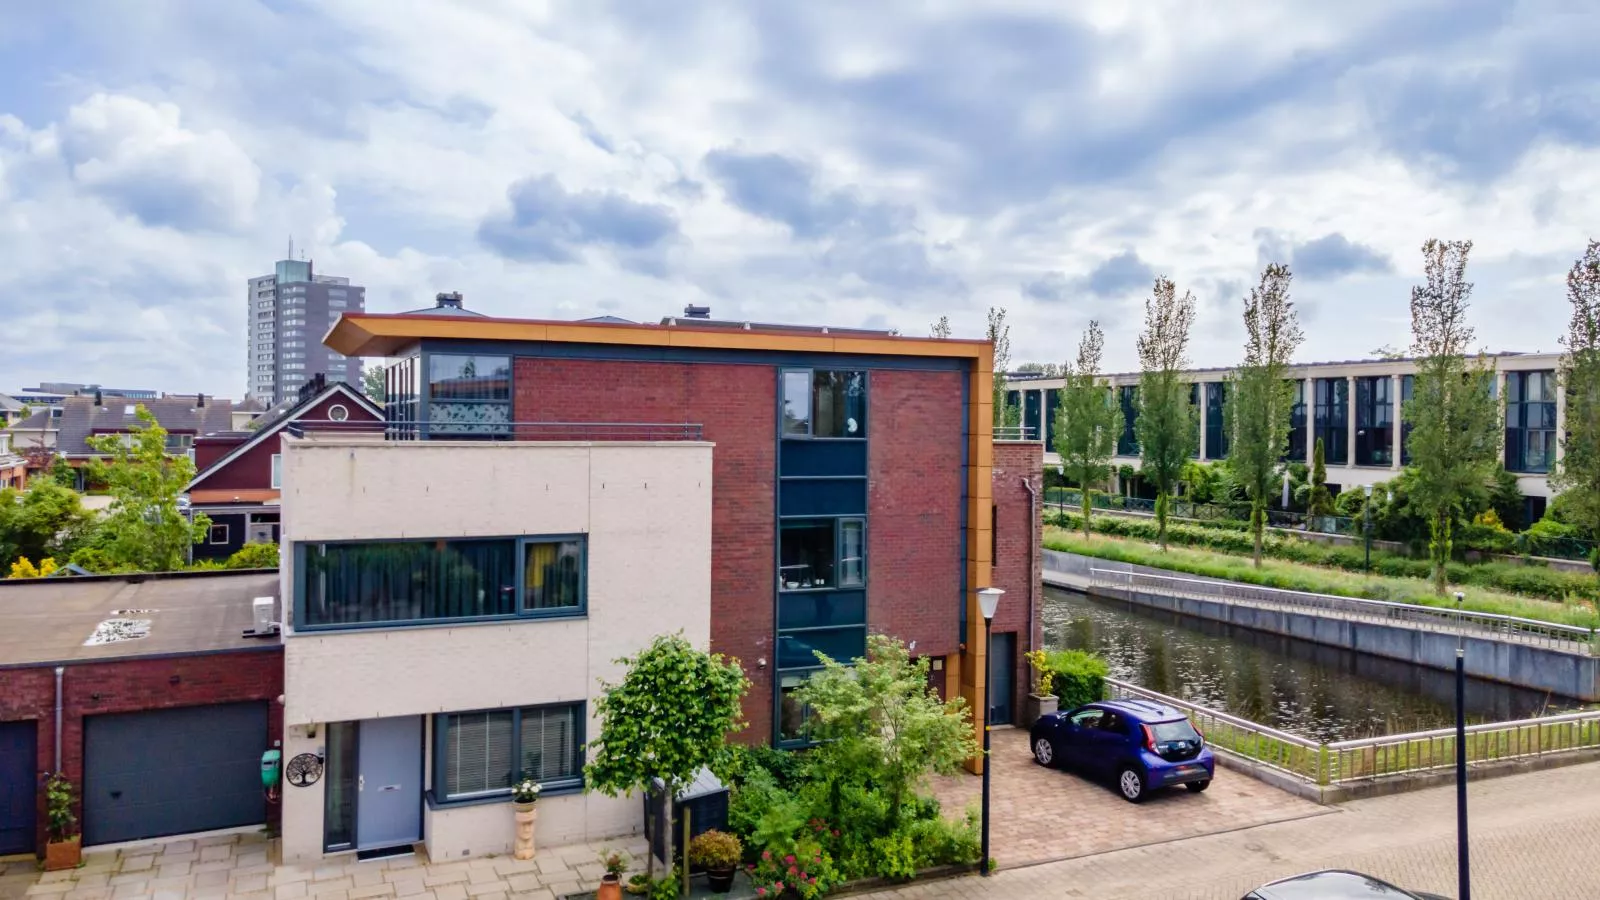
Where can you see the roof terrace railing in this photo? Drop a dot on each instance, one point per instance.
(1016, 433)
(405, 430)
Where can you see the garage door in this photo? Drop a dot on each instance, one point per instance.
(173, 771)
(19, 791)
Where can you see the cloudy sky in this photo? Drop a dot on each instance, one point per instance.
(876, 164)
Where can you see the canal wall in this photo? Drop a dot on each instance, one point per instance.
(1509, 662)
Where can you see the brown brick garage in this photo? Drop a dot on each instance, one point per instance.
(207, 614)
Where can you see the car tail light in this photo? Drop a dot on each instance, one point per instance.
(1149, 739)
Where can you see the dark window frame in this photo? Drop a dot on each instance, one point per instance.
(838, 523)
(1332, 419)
(1128, 440)
(1519, 408)
(553, 787)
(1374, 421)
(302, 585)
(810, 432)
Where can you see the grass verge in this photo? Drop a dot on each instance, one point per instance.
(1315, 579)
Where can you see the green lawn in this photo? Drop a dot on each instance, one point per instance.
(1316, 579)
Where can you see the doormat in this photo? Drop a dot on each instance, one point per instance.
(384, 853)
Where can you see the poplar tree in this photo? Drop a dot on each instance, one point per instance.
(1260, 396)
(941, 328)
(1577, 470)
(999, 334)
(1088, 420)
(1166, 424)
(1455, 419)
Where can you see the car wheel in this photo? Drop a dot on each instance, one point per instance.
(1198, 786)
(1130, 784)
(1044, 753)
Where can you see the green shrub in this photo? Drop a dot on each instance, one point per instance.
(940, 842)
(255, 556)
(1079, 677)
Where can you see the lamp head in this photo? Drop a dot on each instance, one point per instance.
(1460, 596)
(989, 602)
(1368, 489)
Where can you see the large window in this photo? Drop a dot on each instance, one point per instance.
(1128, 441)
(1216, 420)
(822, 553)
(480, 754)
(1374, 421)
(1332, 419)
(1194, 402)
(1297, 421)
(1530, 421)
(469, 395)
(417, 582)
(825, 404)
(1408, 384)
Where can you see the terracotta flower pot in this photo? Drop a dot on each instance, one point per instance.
(610, 888)
(65, 854)
(526, 815)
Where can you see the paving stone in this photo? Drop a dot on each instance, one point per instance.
(178, 848)
(290, 890)
(216, 852)
(330, 886)
(249, 884)
(450, 892)
(381, 889)
(410, 887)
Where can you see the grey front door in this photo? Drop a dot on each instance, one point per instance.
(389, 786)
(18, 791)
(1002, 665)
(173, 771)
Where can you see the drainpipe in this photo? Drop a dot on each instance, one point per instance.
(1033, 524)
(60, 671)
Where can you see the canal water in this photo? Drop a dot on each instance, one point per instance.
(1319, 692)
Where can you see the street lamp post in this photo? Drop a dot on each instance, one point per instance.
(1463, 872)
(988, 602)
(1366, 513)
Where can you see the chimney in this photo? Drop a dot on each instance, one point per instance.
(199, 401)
(98, 399)
(696, 312)
(451, 300)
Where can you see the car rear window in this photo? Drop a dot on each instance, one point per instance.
(1179, 730)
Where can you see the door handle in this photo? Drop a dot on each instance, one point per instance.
(361, 783)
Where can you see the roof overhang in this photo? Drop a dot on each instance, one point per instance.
(372, 334)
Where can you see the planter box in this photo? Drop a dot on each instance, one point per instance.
(1038, 706)
(60, 855)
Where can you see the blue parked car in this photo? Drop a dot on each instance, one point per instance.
(1141, 744)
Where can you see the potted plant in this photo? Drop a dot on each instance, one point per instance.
(524, 794)
(64, 849)
(718, 853)
(616, 862)
(1042, 701)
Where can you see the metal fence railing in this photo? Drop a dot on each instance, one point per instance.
(1280, 750)
(1015, 433)
(1366, 759)
(502, 431)
(1568, 638)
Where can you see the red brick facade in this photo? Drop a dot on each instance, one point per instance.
(1018, 531)
(915, 554)
(736, 405)
(135, 685)
(252, 470)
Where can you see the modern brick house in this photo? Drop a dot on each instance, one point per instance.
(164, 715)
(853, 480)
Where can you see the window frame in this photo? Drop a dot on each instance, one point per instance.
(811, 404)
(211, 535)
(439, 741)
(838, 523)
(302, 587)
(276, 482)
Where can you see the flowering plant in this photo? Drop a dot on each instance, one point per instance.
(806, 873)
(525, 791)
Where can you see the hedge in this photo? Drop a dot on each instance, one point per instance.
(1080, 677)
(1530, 579)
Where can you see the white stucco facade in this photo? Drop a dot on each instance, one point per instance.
(645, 512)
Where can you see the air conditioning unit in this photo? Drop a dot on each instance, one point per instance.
(266, 625)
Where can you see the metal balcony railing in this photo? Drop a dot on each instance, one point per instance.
(502, 431)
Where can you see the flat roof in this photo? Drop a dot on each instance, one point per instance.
(48, 620)
(379, 334)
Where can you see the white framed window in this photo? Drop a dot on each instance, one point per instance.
(219, 534)
(277, 471)
(338, 413)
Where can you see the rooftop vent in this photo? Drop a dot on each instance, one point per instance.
(452, 300)
(696, 312)
(112, 631)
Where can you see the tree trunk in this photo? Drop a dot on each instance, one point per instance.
(1083, 494)
(1161, 519)
(1258, 523)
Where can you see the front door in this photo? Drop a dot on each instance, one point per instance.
(1002, 665)
(19, 792)
(389, 786)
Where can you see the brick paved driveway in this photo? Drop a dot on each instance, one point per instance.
(1040, 814)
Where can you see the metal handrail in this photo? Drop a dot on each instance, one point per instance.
(1366, 759)
(1567, 638)
(1015, 433)
(520, 431)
